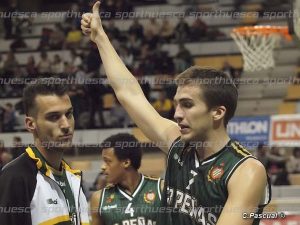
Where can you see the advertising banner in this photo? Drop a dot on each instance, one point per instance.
(285, 130)
(250, 131)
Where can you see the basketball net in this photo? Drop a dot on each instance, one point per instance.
(257, 44)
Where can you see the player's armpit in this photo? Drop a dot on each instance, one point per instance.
(246, 188)
(95, 201)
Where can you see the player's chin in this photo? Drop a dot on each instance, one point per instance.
(186, 137)
(110, 180)
(63, 146)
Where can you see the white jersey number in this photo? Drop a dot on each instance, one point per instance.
(129, 209)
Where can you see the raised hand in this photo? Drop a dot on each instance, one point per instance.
(91, 23)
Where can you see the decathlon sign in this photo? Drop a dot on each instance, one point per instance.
(250, 130)
(285, 130)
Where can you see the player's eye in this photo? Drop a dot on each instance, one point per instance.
(53, 117)
(107, 161)
(187, 104)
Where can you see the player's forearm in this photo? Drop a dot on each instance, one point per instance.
(117, 73)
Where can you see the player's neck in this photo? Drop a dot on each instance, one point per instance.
(131, 181)
(216, 141)
(53, 157)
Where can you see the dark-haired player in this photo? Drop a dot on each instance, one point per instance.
(39, 187)
(131, 197)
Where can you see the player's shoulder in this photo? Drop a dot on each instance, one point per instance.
(95, 200)
(96, 194)
(250, 170)
(238, 150)
(21, 167)
(253, 165)
(242, 160)
(151, 178)
(109, 188)
(19, 173)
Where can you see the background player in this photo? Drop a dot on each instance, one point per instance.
(199, 139)
(132, 198)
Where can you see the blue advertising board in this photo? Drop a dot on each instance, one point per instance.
(250, 131)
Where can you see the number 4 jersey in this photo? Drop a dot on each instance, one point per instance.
(119, 208)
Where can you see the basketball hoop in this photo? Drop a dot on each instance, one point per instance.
(256, 44)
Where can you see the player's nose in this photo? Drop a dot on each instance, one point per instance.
(178, 115)
(65, 123)
(103, 167)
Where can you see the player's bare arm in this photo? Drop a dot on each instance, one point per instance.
(127, 89)
(95, 201)
(162, 184)
(246, 191)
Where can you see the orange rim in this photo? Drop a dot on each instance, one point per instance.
(263, 30)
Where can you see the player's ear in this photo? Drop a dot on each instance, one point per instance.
(126, 163)
(30, 124)
(218, 113)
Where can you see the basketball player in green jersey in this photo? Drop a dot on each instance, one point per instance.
(131, 198)
(210, 179)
